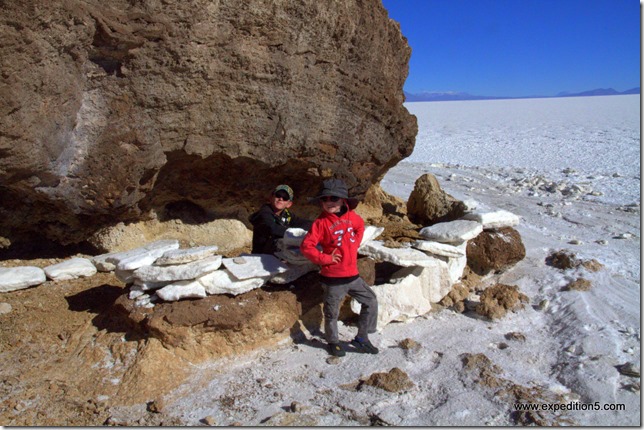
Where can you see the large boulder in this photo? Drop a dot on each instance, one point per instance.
(495, 251)
(126, 111)
(428, 204)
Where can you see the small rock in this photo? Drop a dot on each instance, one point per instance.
(156, 406)
(515, 335)
(5, 308)
(543, 304)
(576, 242)
(503, 345)
(634, 387)
(624, 236)
(579, 284)
(409, 344)
(629, 369)
(333, 360)
(296, 407)
(602, 242)
(393, 381)
(210, 420)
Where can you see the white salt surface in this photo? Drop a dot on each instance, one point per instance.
(490, 152)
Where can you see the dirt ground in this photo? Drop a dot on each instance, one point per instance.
(52, 350)
(72, 350)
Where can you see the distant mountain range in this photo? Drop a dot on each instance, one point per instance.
(452, 96)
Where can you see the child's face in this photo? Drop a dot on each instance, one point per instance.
(331, 204)
(280, 201)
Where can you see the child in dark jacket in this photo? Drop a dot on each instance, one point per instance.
(272, 219)
(339, 230)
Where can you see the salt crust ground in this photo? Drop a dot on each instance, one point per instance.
(572, 349)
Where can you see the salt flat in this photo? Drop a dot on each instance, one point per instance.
(573, 178)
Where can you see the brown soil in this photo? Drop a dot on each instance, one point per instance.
(74, 349)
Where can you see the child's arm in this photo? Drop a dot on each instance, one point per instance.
(309, 247)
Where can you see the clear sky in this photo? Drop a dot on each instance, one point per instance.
(519, 48)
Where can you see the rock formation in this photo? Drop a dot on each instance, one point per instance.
(126, 111)
(428, 204)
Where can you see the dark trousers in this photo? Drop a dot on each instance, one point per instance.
(333, 297)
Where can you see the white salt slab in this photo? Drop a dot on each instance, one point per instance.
(371, 233)
(404, 257)
(182, 256)
(135, 292)
(249, 266)
(494, 220)
(18, 278)
(410, 293)
(125, 276)
(293, 236)
(179, 272)
(224, 282)
(70, 269)
(108, 262)
(292, 255)
(294, 272)
(182, 290)
(100, 261)
(456, 265)
(470, 204)
(437, 248)
(452, 232)
(149, 285)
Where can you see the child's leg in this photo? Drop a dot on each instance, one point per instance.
(333, 296)
(360, 291)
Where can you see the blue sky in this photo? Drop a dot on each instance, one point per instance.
(519, 48)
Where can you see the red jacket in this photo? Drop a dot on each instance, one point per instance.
(341, 234)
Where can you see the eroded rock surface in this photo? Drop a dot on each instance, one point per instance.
(125, 111)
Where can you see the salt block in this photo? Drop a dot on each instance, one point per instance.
(437, 248)
(182, 256)
(249, 266)
(179, 272)
(452, 231)
(294, 272)
(149, 285)
(292, 255)
(293, 236)
(182, 290)
(70, 269)
(410, 293)
(404, 257)
(19, 278)
(224, 282)
(371, 233)
(494, 220)
(108, 262)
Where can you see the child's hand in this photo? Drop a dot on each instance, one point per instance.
(336, 257)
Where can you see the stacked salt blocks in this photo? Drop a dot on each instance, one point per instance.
(162, 271)
(430, 266)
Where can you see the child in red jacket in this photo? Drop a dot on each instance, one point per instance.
(339, 230)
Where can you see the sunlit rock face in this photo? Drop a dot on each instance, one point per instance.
(127, 110)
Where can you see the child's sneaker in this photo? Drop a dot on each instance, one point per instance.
(365, 346)
(336, 350)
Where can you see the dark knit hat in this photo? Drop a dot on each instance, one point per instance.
(335, 188)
